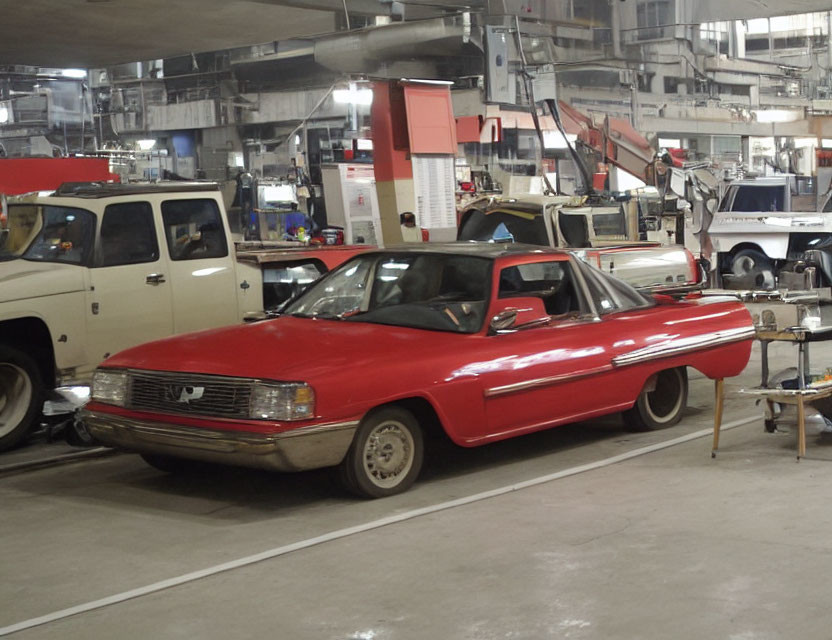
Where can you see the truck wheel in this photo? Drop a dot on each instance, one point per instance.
(757, 265)
(661, 403)
(21, 395)
(385, 456)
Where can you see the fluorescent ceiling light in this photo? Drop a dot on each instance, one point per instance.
(74, 73)
(420, 81)
(146, 145)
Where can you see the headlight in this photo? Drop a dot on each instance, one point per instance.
(282, 401)
(109, 387)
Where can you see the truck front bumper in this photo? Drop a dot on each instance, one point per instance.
(309, 447)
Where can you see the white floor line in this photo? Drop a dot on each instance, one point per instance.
(343, 533)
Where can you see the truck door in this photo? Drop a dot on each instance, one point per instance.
(129, 297)
(202, 276)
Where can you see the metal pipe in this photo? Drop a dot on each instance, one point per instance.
(361, 50)
(346, 15)
(615, 27)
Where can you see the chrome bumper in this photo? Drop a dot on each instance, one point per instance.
(321, 445)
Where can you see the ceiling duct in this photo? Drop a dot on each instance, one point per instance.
(366, 50)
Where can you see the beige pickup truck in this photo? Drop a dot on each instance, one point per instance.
(91, 269)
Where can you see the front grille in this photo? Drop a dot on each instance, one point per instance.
(189, 394)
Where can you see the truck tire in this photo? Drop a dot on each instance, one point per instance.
(757, 265)
(21, 395)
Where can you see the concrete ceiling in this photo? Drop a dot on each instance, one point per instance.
(98, 33)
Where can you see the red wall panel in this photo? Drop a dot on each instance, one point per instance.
(21, 175)
(430, 119)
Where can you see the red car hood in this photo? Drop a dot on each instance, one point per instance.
(292, 349)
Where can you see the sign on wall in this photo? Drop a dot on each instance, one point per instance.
(434, 185)
(358, 190)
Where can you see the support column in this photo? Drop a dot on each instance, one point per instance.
(391, 159)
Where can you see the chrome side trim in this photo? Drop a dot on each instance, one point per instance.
(678, 346)
(545, 382)
(310, 447)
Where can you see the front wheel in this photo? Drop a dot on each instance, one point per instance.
(385, 456)
(661, 402)
(21, 395)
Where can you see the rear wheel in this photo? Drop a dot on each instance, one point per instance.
(750, 263)
(661, 402)
(385, 456)
(21, 396)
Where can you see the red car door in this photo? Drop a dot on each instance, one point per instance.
(561, 372)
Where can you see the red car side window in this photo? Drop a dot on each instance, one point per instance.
(552, 282)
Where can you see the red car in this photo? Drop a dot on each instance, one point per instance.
(483, 341)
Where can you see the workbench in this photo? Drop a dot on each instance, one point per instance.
(805, 395)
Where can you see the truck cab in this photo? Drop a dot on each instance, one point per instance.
(92, 269)
(600, 235)
(764, 224)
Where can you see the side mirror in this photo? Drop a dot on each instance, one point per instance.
(513, 314)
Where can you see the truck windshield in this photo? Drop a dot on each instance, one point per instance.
(48, 234)
(503, 226)
(435, 291)
(754, 198)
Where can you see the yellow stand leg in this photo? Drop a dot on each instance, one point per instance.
(801, 428)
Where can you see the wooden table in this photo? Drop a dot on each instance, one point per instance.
(800, 397)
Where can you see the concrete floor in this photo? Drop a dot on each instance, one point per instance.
(669, 544)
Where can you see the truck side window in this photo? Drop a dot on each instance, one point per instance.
(65, 234)
(194, 229)
(128, 235)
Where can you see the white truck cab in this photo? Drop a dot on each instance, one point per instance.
(599, 234)
(764, 223)
(93, 269)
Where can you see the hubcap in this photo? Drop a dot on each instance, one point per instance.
(15, 397)
(665, 400)
(388, 454)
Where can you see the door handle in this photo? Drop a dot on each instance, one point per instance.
(155, 278)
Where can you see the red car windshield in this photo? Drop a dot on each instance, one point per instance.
(435, 291)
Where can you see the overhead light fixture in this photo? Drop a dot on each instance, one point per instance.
(146, 145)
(353, 95)
(74, 73)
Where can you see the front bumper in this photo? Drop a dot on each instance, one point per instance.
(311, 447)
